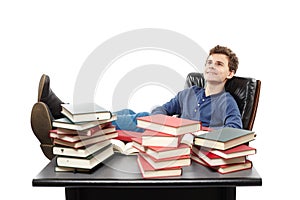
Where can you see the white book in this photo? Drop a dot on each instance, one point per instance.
(80, 152)
(88, 162)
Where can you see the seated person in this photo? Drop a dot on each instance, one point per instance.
(212, 105)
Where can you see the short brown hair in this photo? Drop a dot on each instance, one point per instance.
(233, 59)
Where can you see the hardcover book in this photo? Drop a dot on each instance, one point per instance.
(82, 143)
(155, 138)
(178, 161)
(224, 138)
(80, 152)
(237, 151)
(85, 112)
(224, 169)
(86, 163)
(214, 160)
(74, 138)
(149, 172)
(168, 152)
(87, 132)
(127, 136)
(79, 126)
(168, 124)
(137, 143)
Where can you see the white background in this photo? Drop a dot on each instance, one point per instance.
(55, 38)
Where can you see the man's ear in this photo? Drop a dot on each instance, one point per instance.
(231, 74)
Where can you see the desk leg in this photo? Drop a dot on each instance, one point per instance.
(211, 193)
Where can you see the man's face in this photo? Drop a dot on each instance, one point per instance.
(216, 69)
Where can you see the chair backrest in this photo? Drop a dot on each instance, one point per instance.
(245, 90)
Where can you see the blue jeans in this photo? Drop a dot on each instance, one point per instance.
(126, 120)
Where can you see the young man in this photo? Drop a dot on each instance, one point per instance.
(212, 105)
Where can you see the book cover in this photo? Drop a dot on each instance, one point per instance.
(148, 171)
(237, 151)
(85, 112)
(75, 138)
(224, 138)
(79, 126)
(168, 124)
(82, 143)
(155, 138)
(86, 163)
(80, 152)
(215, 160)
(127, 136)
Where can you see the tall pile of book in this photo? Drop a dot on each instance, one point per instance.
(224, 150)
(82, 138)
(161, 152)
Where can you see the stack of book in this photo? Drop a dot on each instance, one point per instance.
(161, 152)
(224, 150)
(82, 138)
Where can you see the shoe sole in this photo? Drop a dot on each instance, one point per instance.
(41, 122)
(47, 150)
(41, 87)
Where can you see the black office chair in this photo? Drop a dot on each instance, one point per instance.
(245, 91)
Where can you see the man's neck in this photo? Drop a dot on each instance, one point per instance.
(214, 88)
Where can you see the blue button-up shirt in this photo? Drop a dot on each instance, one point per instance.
(218, 110)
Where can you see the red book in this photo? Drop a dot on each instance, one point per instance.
(149, 172)
(178, 161)
(215, 160)
(83, 143)
(137, 143)
(241, 150)
(75, 138)
(224, 169)
(195, 158)
(87, 132)
(155, 138)
(168, 152)
(168, 124)
(127, 136)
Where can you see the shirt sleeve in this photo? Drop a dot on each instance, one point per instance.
(233, 116)
(171, 107)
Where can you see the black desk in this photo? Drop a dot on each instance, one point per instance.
(119, 177)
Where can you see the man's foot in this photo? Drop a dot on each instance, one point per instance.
(46, 95)
(41, 123)
(42, 87)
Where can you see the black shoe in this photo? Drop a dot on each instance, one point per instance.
(41, 124)
(46, 95)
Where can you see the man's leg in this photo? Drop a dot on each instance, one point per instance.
(126, 120)
(43, 112)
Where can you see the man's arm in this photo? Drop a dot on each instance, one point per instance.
(233, 116)
(170, 108)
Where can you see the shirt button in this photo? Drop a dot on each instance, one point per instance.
(203, 99)
(195, 110)
(198, 104)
